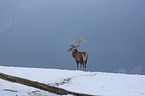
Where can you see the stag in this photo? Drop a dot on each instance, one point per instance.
(80, 57)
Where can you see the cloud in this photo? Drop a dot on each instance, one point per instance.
(137, 70)
(122, 70)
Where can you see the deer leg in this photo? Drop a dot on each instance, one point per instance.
(83, 67)
(77, 65)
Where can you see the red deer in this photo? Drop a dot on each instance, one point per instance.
(80, 57)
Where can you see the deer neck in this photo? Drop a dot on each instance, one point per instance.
(74, 52)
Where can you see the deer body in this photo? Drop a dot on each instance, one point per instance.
(80, 57)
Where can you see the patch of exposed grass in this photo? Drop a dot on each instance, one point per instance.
(10, 90)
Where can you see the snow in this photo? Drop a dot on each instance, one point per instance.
(95, 83)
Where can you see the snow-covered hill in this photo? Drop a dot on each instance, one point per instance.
(95, 83)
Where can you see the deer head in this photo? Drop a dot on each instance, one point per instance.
(74, 47)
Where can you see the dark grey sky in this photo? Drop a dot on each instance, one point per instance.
(37, 33)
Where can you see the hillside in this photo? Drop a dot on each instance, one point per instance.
(95, 83)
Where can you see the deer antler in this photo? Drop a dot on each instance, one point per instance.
(71, 45)
(77, 44)
(80, 41)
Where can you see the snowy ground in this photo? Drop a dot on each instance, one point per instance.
(95, 83)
